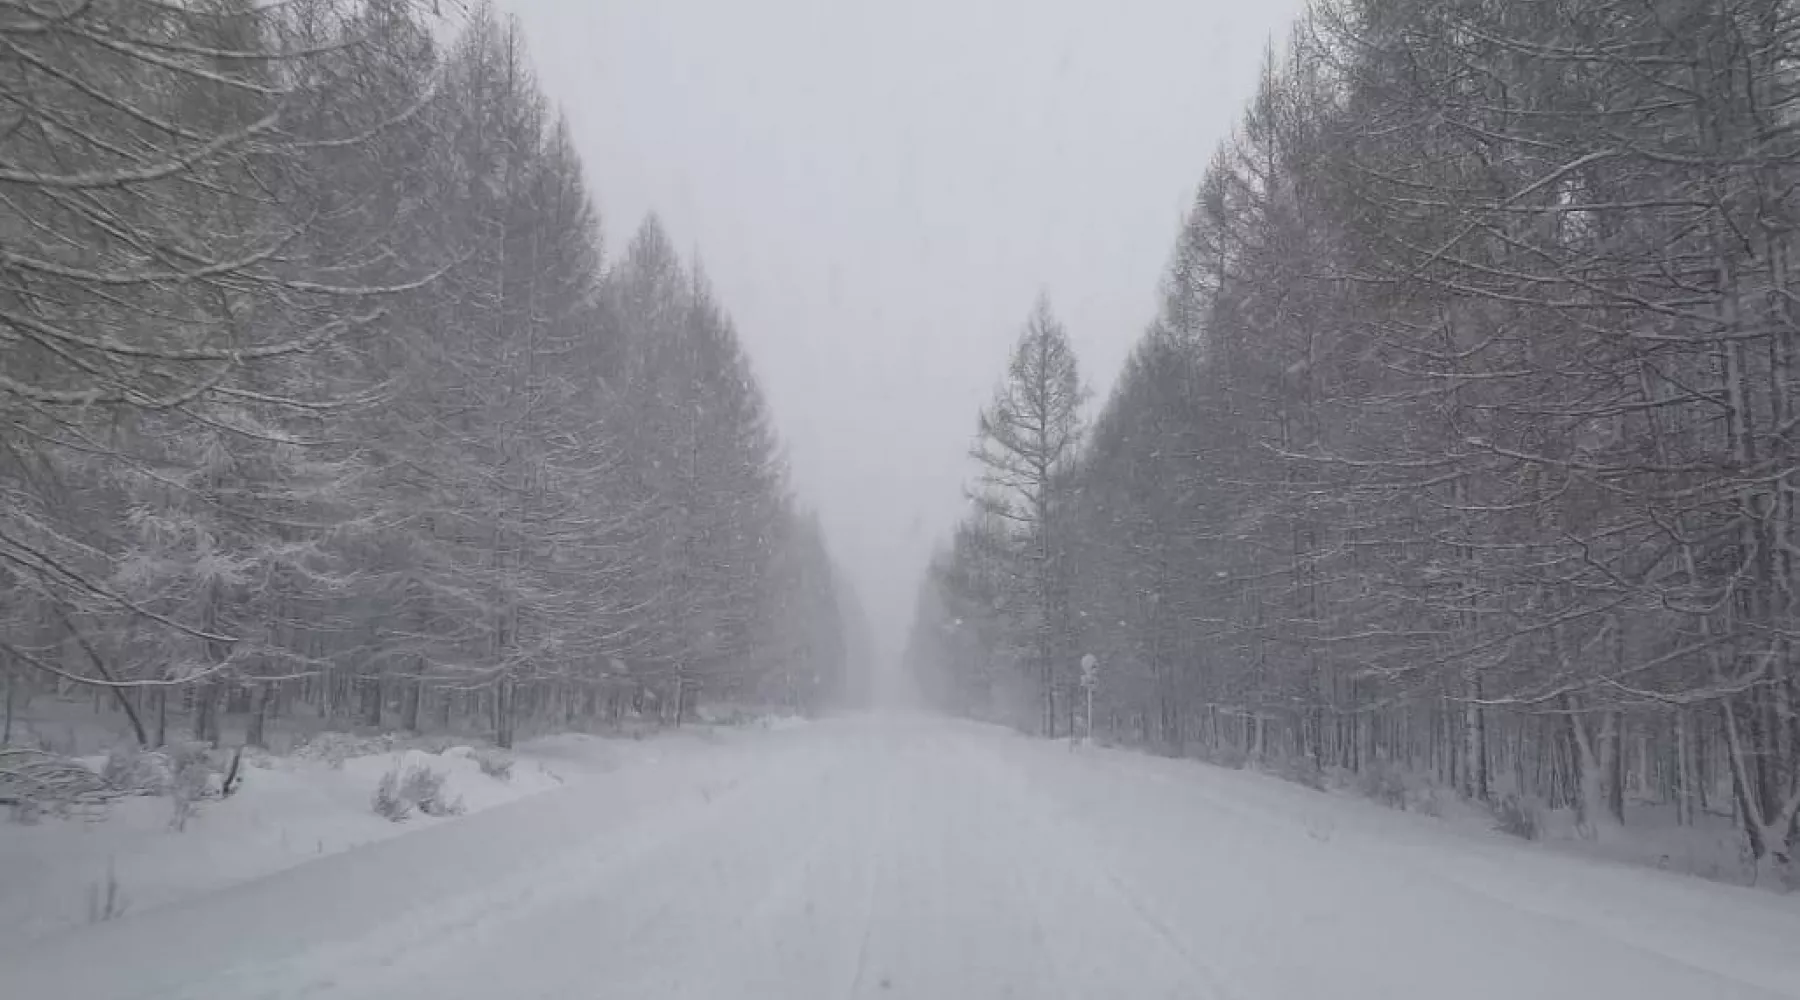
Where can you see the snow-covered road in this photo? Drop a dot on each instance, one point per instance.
(918, 858)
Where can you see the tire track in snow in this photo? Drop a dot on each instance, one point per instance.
(1064, 838)
(1367, 853)
(880, 865)
(753, 958)
(1154, 922)
(1028, 885)
(420, 935)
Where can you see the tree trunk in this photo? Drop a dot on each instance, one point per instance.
(1612, 765)
(414, 694)
(1770, 832)
(93, 656)
(503, 713)
(255, 734)
(371, 700)
(206, 712)
(1453, 749)
(1600, 803)
(1475, 770)
(1684, 767)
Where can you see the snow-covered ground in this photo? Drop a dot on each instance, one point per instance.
(898, 857)
(289, 810)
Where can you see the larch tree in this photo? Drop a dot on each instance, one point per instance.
(1025, 449)
(1462, 444)
(319, 394)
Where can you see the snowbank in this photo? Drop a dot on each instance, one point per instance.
(289, 810)
(1712, 847)
(1361, 884)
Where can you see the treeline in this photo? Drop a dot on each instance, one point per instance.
(1464, 437)
(317, 386)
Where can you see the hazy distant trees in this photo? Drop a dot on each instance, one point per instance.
(316, 385)
(1464, 438)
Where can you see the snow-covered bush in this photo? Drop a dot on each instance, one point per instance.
(186, 772)
(1225, 756)
(1384, 784)
(724, 715)
(1301, 771)
(191, 780)
(425, 788)
(387, 802)
(133, 770)
(335, 748)
(495, 764)
(34, 782)
(418, 787)
(1516, 817)
(1427, 803)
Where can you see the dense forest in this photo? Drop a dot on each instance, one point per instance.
(1463, 440)
(320, 392)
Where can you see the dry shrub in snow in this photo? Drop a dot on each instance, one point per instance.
(185, 772)
(425, 788)
(419, 787)
(1427, 803)
(106, 900)
(35, 782)
(1225, 756)
(1301, 771)
(495, 764)
(191, 780)
(134, 771)
(387, 802)
(335, 748)
(1516, 817)
(1384, 784)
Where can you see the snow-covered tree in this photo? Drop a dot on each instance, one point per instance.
(1025, 451)
(1463, 438)
(319, 391)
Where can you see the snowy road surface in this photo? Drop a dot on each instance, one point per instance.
(916, 858)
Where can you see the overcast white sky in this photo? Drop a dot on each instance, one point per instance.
(880, 188)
